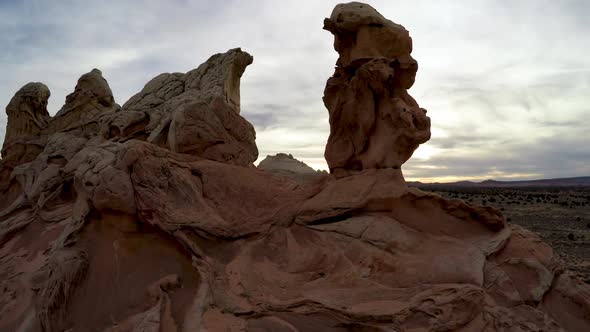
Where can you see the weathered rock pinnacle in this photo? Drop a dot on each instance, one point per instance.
(27, 114)
(374, 122)
(91, 98)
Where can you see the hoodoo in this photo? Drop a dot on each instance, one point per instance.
(151, 216)
(374, 122)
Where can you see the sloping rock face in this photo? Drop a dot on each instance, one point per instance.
(91, 97)
(286, 165)
(285, 162)
(195, 113)
(374, 122)
(123, 233)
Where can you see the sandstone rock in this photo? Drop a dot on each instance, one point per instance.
(91, 97)
(213, 131)
(27, 114)
(145, 226)
(27, 117)
(285, 162)
(218, 76)
(360, 32)
(374, 122)
(286, 165)
(195, 113)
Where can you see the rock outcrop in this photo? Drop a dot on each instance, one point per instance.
(27, 117)
(374, 122)
(286, 165)
(195, 113)
(91, 97)
(27, 114)
(136, 226)
(285, 162)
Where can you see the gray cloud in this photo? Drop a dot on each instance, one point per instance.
(506, 83)
(509, 159)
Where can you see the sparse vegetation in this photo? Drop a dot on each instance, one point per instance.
(559, 215)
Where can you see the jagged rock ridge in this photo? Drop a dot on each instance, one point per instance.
(150, 217)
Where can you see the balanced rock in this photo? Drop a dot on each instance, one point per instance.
(374, 122)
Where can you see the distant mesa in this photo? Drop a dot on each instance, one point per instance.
(583, 181)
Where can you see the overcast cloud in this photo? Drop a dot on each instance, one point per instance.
(506, 83)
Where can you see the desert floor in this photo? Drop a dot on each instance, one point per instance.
(560, 217)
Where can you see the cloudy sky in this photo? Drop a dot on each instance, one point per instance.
(506, 83)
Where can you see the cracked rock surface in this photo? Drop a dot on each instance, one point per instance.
(151, 217)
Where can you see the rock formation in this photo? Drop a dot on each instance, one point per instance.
(286, 165)
(27, 116)
(151, 218)
(91, 97)
(374, 122)
(285, 162)
(195, 113)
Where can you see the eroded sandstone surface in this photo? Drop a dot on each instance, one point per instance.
(151, 217)
(374, 122)
(286, 165)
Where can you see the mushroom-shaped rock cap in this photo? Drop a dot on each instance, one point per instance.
(360, 32)
(27, 111)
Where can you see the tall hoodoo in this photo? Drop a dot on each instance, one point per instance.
(374, 122)
(27, 117)
(27, 114)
